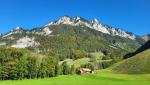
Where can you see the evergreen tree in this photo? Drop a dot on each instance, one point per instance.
(21, 68)
(65, 68)
(73, 69)
(32, 67)
(43, 69)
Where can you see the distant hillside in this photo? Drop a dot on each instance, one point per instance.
(140, 63)
(141, 49)
(144, 47)
(146, 37)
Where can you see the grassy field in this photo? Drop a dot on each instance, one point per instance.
(105, 77)
(98, 56)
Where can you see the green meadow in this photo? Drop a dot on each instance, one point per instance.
(104, 77)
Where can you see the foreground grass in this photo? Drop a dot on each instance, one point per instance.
(105, 77)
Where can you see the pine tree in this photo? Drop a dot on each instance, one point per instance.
(65, 68)
(73, 69)
(32, 67)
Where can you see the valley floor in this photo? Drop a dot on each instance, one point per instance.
(105, 77)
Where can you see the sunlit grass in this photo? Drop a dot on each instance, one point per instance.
(104, 77)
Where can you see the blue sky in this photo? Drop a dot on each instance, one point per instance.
(131, 15)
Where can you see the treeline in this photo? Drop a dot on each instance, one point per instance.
(22, 64)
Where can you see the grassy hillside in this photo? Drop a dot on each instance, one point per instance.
(100, 78)
(144, 47)
(140, 63)
(141, 49)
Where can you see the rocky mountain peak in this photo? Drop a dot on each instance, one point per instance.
(77, 18)
(94, 24)
(14, 31)
(95, 21)
(64, 20)
(17, 29)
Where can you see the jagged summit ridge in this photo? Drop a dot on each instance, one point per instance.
(75, 21)
(93, 24)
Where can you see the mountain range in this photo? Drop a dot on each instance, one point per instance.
(73, 33)
(79, 21)
(94, 24)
